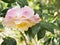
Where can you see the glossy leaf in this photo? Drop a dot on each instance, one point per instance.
(9, 41)
(41, 34)
(33, 30)
(48, 26)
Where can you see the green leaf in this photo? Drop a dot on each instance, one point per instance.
(33, 30)
(1, 26)
(58, 23)
(41, 34)
(22, 3)
(48, 26)
(54, 41)
(39, 12)
(9, 1)
(57, 4)
(47, 42)
(1, 6)
(9, 41)
(3, 13)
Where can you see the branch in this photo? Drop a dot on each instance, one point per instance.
(25, 38)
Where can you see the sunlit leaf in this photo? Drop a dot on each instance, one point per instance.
(47, 42)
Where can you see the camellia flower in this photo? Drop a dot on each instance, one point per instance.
(20, 18)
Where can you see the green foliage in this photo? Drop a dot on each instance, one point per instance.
(9, 41)
(47, 26)
(9, 1)
(49, 20)
(1, 26)
(47, 41)
(3, 12)
(41, 34)
(33, 31)
(53, 40)
(58, 23)
(22, 2)
(57, 4)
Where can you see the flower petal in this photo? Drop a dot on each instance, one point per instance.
(35, 18)
(15, 11)
(27, 11)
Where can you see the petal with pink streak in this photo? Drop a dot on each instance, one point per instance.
(13, 12)
(27, 11)
(35, 18)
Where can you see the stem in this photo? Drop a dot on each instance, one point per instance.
(35, 40)
(25, 38)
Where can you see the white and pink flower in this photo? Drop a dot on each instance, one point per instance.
(20, 18)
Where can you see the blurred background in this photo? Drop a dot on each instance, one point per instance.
(47, 32)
